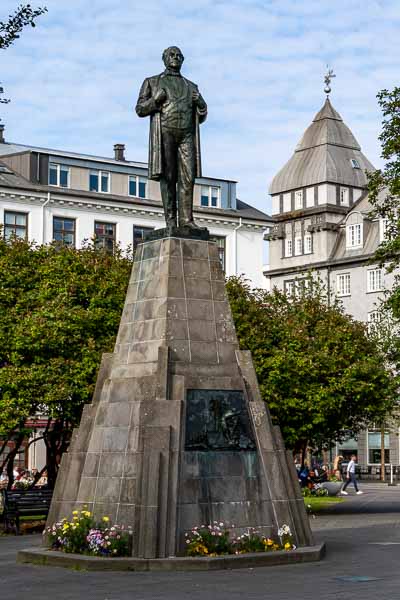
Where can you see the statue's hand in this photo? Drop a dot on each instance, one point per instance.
(195, 96)
(160, 96)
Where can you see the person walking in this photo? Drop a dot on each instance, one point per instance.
(351, 477)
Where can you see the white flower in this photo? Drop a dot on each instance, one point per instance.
(221, 525)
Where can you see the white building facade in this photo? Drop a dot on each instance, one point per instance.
(48, 195)
(323, 225)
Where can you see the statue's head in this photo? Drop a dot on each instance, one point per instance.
(173, 58)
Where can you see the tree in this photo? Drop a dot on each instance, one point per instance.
(9, 30)
(24, 15)
(384, 192)
(59, 311)
(318, 369)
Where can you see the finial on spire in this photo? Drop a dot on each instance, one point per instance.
(327, 79)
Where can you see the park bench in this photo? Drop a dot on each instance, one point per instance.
(24, 503)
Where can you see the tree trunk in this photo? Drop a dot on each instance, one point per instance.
(382, 453)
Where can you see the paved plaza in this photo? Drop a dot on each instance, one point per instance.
(362, 562)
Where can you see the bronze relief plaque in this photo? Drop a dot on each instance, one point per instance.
(217, 420)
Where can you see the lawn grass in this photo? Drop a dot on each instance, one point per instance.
(318, 503)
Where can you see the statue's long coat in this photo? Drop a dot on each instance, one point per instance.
(146, 106)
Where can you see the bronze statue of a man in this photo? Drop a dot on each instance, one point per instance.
(176, 109)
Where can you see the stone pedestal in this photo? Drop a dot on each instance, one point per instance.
(177, 434)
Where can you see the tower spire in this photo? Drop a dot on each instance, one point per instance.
(327, 79)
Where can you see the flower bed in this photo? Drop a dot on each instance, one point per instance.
(83, 535)
(216, 540)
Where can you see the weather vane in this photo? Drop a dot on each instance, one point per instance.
(327, 79)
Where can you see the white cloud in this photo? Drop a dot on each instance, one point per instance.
(74, 79)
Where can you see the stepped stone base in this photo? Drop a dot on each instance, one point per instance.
(177, 434)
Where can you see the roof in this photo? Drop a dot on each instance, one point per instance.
(324, 154)
(9, 148)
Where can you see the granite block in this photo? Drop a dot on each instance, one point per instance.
(194, 249)
(108, 489)
(131, 293)
(176, 308)
(151, 249)
(154, 308)
(118, 413)
(200, 310)
(226, 332)
(142, 352)
(128, 490)
(115, 439)
(179, 351)
(176, 287)
(171, 247)
(205, 352)
(218, 290)
(87, 488)
(222, 311)
(227, 352)
(155, 287)
(200, 290)
(112, 464)
(91, 467)
(194, 267)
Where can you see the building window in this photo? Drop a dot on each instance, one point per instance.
(105, 235)
(344, 196)
(307, 244)
(298, 246)
(354, 236)
(373, 319)
(137, 186)
(58, 175)
(64, 231)
(221, 248)
(374, 447)
(298, 199)
(355, 164)
(288, 247)
(343, 284)
(374, 280)
(347, 447)
(383, 230)
(289, 288)
(139, 234)
(99, 181)
(15, 225)
(210, 196)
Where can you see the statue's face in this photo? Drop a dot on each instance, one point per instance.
(174, 59)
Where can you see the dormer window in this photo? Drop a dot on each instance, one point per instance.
(58, 175)
(354, 236)
(210, 196)
(355, 164)
(298, 199)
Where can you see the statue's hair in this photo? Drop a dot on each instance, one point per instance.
(166, 52)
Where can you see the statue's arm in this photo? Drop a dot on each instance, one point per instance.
(201, 108)
(146, 104)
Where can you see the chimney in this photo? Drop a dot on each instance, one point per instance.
(2, 140)
(119, 151)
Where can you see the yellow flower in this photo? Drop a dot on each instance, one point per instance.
(288, 546)
(276, 547)
(106, 519)
(75, 518)
(74, 512)
(269, 542)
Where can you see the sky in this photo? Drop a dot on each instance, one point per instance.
(259, 64)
